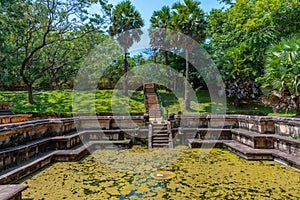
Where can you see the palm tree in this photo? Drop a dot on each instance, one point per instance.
(161, 19)
(282, 74)
(126, 21)
(188, 19)
(160, 22)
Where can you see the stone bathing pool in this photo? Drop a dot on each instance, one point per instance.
(198, 174)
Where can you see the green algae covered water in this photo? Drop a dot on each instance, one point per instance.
(218, 175)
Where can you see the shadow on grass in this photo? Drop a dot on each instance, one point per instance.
(62, 102)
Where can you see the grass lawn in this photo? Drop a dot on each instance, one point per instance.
(173, 104)
(62, 101)
(106, 101)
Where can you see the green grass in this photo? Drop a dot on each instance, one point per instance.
(105, 101)
(84, 101)
(204, 105)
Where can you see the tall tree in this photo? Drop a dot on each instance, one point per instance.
(35, 25)
(161, 19)
(188, 19)
(125, 24)
(160, 22)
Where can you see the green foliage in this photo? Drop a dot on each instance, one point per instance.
(125, 18)
(125, 24)
(240, 35)
(294, 136)
(42, 37)
(188, 18)
(281, 79)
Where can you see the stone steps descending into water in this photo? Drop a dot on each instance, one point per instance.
(249, 153)
(263, 154)
(160, 136)
(58, 148)
(76, 153)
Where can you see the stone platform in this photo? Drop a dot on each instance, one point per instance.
(7, 116)
(12, 192)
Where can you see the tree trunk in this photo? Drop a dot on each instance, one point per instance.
(125, 83)
(187, 101)
(174, 83)
(298, 107)
(30, 94)
(169, 81)
(28, 84)
(166, 53)
(51, 80)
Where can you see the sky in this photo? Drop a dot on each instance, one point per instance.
(146, 8)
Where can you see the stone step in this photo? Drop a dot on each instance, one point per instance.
(253, 139)
(15, 173)
(10, 192)
(166, 141)
(247, 152)
(160, 145)
(161, 131)
(160, 134)
(154, 111)
(6, 112)
(159, 127)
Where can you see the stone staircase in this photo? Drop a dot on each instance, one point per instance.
(159, 136)
(151, 102)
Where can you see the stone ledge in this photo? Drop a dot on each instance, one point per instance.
(12, 192)
(22, 171)
(287, 159)
(248, 152)
(252, 139)
(207, 143)
(6, 119)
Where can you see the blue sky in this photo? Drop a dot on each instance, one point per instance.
(146, 8)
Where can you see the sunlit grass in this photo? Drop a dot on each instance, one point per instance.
(83, 101)
(107, 101)
(204, 105)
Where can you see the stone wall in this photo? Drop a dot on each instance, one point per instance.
(109, 122)
(287, 145)
(16, 155)
(260, 124)
(206, 121)
(20, 133)
(287, 126)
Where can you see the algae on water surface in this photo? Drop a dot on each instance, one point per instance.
(219, 175)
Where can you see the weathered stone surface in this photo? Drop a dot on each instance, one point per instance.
(11, 192)
(20, 133)
(287, 126)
